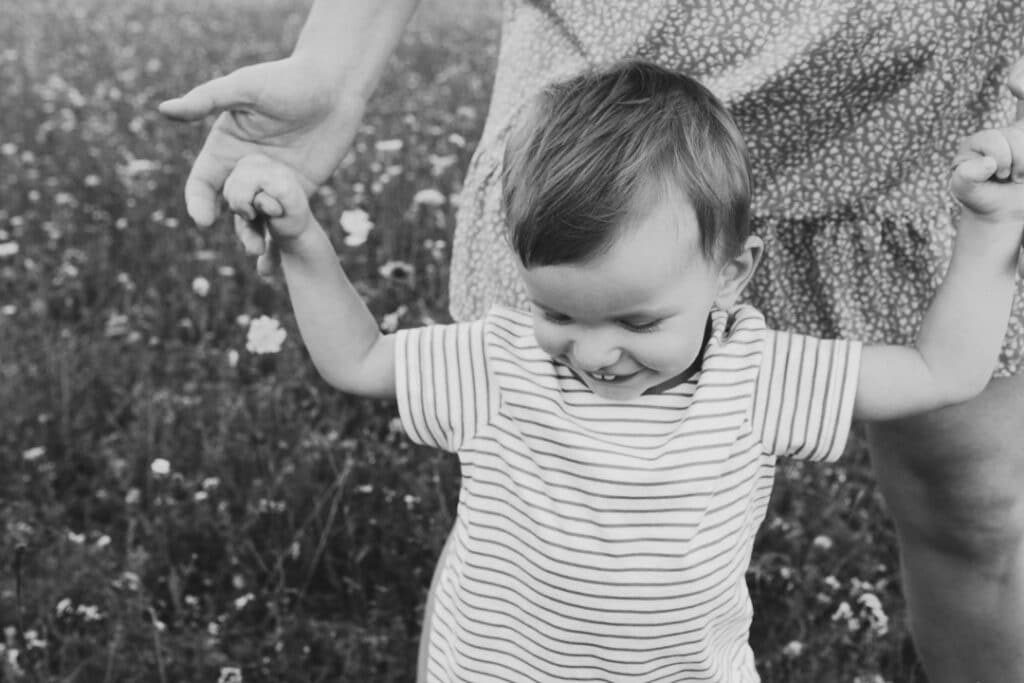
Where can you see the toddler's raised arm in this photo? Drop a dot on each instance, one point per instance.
(963, 329)
(341, 334)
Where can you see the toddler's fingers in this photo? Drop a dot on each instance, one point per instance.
(249, 235)
(988, 143)
(239, 189)
(976, 170)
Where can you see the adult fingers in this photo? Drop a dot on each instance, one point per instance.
(250, 234)
(1016, 83)
(236, 90)
(269, 261)
(1015, 140)
(201, 190)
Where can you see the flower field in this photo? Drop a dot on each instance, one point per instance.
(182, 499)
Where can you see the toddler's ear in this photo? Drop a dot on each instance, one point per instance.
(737, 271)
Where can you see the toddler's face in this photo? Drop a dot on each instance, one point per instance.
(634, 317)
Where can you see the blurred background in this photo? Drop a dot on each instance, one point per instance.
(181, 497)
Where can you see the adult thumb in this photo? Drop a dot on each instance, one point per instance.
(233, 91)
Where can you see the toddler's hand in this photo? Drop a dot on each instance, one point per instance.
(988, 175)
(261, 188)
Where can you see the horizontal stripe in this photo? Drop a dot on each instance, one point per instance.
(600, 540)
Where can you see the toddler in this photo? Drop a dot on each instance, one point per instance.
(617, 442)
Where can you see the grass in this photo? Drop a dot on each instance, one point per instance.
(176, 508)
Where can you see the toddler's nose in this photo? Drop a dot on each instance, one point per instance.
(593, 355)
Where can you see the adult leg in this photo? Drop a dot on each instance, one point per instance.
(953, 481)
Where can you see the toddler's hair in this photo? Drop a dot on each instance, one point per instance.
(595, 150)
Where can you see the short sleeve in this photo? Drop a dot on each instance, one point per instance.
(804, 395)
(442, 385)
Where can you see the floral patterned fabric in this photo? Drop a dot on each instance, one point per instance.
(852, 110)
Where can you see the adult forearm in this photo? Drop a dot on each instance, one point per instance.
(963, 329)
(351, 40)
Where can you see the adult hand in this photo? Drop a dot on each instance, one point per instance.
(283, 109)
(1016, 83)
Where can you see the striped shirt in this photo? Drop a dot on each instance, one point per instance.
(604, 541)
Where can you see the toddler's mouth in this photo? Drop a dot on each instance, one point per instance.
(610, 378)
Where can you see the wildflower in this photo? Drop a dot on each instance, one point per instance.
(64, 607)
(399, 271)
(116, 326)
(410, 500)
(232, 358)
(137, 167)
(161, 467)
(92, 180)
(12, 662)
(832, 582)
(128, 581)
(133, 496)
(265, 336)
(389, 323)
(201, 286)
(33, 641)
(793, 648)
(842, 612)
(76, 538)
(34, 453)
(89, 612)
(428, 197)
(8, 249)
(103, 541)
(357, 225)
(364, 488)
(230, 674)
(457, 140)
(822, 542)
(210, 483)
(243, 600)
(878, 620)
(436, 248)
(389, 145)
(200, 496)
(441, 163)
(225, 271)
(243, 320)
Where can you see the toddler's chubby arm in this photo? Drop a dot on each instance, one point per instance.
(963, 328)
(341, 334)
